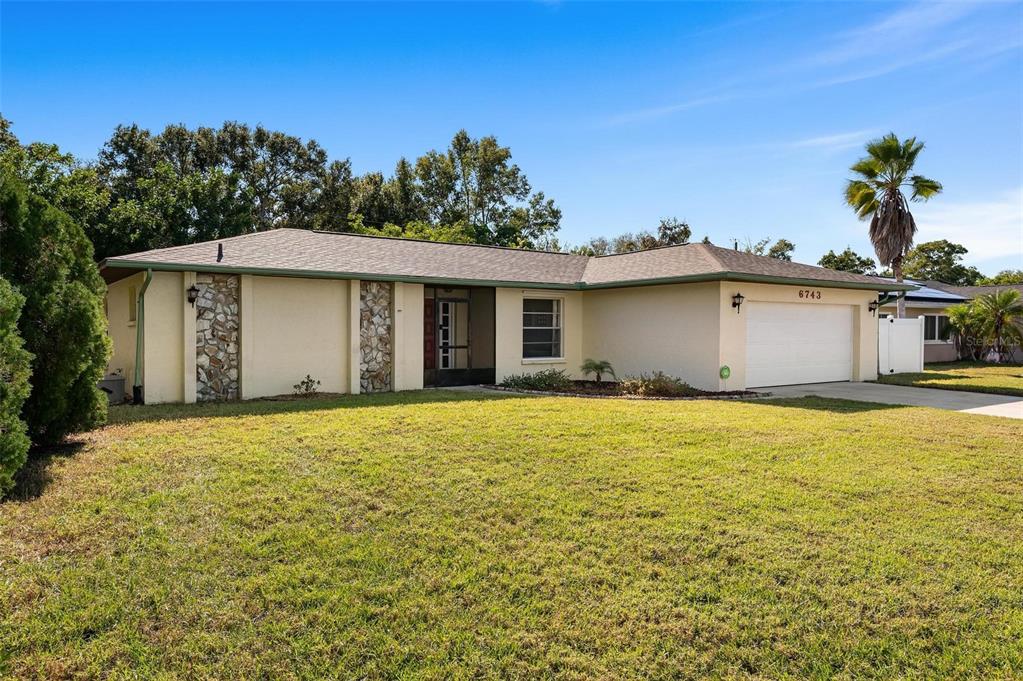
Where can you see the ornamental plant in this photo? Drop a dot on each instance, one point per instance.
(598, 368)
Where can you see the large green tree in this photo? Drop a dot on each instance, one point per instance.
(940, 261)
(183, 185)
(670, 232)
(848, 261)
(15, 369)
(876, 192)
(779, 250)
(1003, 278)
(49, 260)
(474, 181)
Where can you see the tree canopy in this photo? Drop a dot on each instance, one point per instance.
(848, 261)
(1003, 278)
(182, 185)
(940, 261)
(779, 250)
(670, 232)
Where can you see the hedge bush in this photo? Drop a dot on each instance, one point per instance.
(657, 384)
(14, 387)
(48, 258)
(550, 379)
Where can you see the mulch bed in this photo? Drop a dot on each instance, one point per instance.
(610, 389)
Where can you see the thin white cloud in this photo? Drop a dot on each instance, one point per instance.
(837, 142)
(905, 29)
(989, 229)
(662, 111)
(918, 34)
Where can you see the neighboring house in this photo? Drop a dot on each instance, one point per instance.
(930, 300)
(365, 314)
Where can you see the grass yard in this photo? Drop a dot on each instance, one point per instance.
(460, 535)
(1002, 379)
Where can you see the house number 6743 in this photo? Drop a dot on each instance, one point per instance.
(807, 293)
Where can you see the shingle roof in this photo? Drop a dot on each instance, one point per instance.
(974, 291)
(929, 292)
(298, 252)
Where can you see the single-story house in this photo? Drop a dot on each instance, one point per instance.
(252, 315)
(931, 300)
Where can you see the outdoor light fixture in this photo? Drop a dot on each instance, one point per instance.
(872, 306)
(193, 294)
(737, 301)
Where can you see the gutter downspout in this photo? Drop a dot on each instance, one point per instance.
(140, 332)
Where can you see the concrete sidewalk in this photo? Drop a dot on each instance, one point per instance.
(952, 400)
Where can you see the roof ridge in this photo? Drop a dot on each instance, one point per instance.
(430, 241)
(712, 256)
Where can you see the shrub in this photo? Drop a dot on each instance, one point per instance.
(48, 258)
(552, 380)
(14, 387)
(657, 384)
(307, 386)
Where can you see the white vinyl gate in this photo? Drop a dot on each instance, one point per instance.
(900, 345)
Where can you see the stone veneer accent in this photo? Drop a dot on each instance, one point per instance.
(216, 337)
(375, 324)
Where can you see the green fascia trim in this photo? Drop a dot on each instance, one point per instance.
(450, 281)
(320, 274)
(140, 328)
(753, 279)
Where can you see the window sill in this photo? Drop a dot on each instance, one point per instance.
(131, 323)
(938, 342)
(545, 360)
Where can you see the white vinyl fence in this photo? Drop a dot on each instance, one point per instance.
(900, 345)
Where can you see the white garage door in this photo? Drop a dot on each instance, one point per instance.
(788, 343)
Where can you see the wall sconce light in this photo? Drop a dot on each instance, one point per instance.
(872, 306)
(737, 301)
(193, 294)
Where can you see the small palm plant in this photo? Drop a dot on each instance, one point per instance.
(1001, 319)
(969, 335)
(598, 368)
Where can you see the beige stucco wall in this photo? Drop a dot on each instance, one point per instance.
(508, 331)
(291, 327)
(733, 325)
(120, 330)
(408, 337)
(164, 362)
(672, 328)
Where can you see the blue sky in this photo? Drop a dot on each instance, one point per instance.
(740, 118)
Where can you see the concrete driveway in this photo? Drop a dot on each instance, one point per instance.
(953, 400)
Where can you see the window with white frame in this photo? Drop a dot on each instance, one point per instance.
(541, 328)
(937, 328)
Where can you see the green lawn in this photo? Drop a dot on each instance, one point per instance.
(459, 535)
(1003, 379)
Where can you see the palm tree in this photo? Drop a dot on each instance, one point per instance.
(597, 367)
(1001, 319)
(969, 337)
(877, 193)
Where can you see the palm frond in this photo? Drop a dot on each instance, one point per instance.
(862, 197)
(868, 167)
(923, 188)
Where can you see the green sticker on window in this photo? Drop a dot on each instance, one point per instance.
(725, 372)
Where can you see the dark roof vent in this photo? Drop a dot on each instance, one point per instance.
(220, 252)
